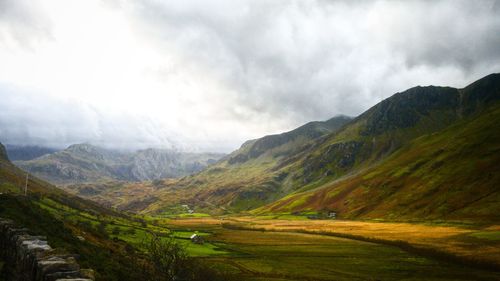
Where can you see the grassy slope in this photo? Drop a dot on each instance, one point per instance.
(104, 256)
(451, 174)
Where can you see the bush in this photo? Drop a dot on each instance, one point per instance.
(168, 261)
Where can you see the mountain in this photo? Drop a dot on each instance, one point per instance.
(236, 179)
(427, 152)
(286, 143)
(83, 163)
(451, 174)
(150, 164)
(27, 152)
(13, 180)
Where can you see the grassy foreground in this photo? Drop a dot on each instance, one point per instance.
(281, 252)
(258, 248)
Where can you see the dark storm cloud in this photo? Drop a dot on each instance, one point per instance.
(459, 33)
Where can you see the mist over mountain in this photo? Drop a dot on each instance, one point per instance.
(84, 163)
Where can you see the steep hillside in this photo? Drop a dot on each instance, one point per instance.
(287, 143)
(46, 210)
(400, 126)
(451, 174)
(83, 163)
(13, 181)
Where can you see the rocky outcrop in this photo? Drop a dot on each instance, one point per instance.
(31, 258)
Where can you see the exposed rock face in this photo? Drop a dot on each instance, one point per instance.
(151, 164)
(30, 258)
(404, 110)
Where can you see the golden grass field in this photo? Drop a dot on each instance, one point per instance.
(471, 241)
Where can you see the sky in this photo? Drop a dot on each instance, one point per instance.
(207, 75)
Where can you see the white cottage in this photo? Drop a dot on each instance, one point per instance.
(197, 239)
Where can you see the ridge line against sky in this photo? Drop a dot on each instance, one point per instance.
(208, 75)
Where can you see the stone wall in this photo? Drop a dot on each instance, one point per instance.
(30, 258)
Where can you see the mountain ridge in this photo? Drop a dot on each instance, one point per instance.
(309, 131)
(436, 176)
(84, 163)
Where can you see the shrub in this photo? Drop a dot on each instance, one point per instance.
(168, 261)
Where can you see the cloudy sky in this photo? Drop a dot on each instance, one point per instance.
(208, 75)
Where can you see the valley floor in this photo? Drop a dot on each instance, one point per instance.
(262, 248)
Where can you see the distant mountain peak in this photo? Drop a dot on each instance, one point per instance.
(85, 163)
(84, 147)
(307, 132)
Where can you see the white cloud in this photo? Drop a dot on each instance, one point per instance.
(208, 75)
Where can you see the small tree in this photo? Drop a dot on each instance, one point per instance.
(168, 259)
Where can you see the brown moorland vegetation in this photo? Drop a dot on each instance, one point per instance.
(474, 243)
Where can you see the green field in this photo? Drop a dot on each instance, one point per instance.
(134, 233)
(264, 255)
(259, 255)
